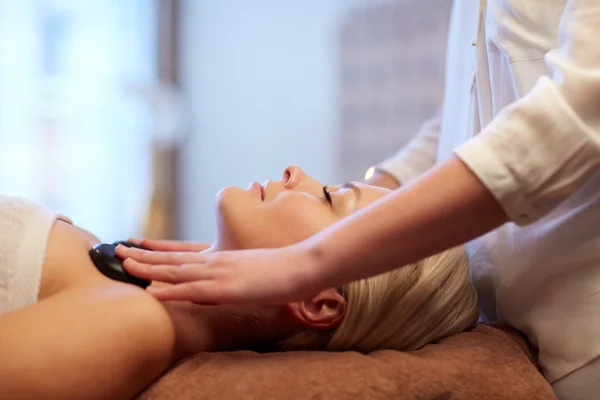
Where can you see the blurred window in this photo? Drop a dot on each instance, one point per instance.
(74, 130)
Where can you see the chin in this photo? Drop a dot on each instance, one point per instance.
(228, 198)
(231, 205)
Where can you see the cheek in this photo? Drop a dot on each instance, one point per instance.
(288, 219)
(292, 218)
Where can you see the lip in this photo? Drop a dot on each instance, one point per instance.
(258, 189)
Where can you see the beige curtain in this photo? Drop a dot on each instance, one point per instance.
(161, 221)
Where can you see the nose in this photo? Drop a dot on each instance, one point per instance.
(293, 176)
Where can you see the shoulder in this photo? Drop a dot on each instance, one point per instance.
(66, 259)
(105, 338)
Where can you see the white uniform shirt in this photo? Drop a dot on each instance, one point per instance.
(522, 110)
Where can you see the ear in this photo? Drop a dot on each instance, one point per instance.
(324, 311)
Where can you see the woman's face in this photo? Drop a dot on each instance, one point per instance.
(280, 213)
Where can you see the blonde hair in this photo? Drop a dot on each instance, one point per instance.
(403, 309)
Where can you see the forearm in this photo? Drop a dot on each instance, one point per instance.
(446, 207)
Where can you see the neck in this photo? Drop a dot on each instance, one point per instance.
(226, 328)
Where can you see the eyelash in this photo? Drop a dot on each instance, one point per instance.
(327, 195)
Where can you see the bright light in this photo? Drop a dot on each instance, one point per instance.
(369, 173)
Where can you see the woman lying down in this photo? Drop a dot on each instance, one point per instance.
(66, 331)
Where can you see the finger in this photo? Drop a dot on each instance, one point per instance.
(161, 245)
(165, 273)
(159, 257)
(204, 292)
(134, 240)
(174, 245)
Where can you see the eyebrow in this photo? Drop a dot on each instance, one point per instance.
(354, 187)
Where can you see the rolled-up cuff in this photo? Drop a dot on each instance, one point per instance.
(534, 154)
(497, 179)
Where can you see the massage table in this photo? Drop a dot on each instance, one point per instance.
(490, 362)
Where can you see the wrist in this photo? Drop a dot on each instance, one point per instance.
(316, 269)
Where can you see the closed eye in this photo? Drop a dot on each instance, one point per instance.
(327, 195)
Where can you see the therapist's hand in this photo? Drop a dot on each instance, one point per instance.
(170, 245)
(261, 276)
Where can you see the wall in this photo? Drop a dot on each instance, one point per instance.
(260, 78)
(392, 77)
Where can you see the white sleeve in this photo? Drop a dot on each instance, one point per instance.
(542, 148)
(418, 155)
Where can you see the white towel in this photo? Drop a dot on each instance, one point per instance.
(24, 230)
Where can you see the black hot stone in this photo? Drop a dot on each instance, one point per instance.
(110, 265)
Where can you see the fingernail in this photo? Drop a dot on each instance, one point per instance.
(129, 261)
(153, 290)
